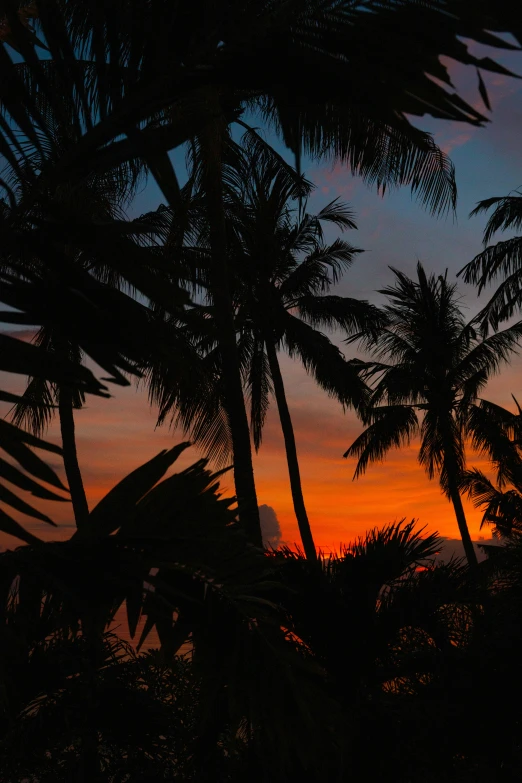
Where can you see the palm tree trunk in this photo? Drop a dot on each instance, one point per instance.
(291, 454)
(469, 549)
(70, 457)
(212, 143)
(454, 494)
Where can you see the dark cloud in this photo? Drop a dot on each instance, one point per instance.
(270, 527)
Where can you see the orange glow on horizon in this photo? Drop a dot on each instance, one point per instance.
(117, 435)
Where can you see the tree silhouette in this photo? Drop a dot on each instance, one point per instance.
(116, 84)
(211, 144)
(212, 148)
(438, 368)
(100, 197)
(181, 537)
(283, 269)
(389, 625)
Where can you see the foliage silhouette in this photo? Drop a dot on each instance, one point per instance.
(283, 270)
(99, 198)
(16, 444)
(126, 84)
(205, 582)
(391, 628)
(439, 366)
(131, 81)
(114, 84)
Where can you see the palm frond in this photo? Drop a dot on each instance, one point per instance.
(340, 378)
(489, 354)
(26, 473)
(401, 543)
(36, 408)
(503, 509)
(278, 175)
(442, 449)
(504, 258)
(191, 398)
(392, 426)
(338, 213)
(507, 214)
(504, 303)
(478, 487)
(351, 315)
(389, 342)
(321, 269)
(492, 431)
(398, 384)
(385, 153)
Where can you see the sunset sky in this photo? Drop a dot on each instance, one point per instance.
(116, 435)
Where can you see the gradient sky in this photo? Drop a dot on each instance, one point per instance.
(116, 435)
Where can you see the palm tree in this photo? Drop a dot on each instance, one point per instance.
(102, 198)
(103, 323)
(212, 146)
(502, 260)
(211, 143)
(438, 367)
(283, 270)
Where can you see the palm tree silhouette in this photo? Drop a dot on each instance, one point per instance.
(282, 272)
(502, 507)
(100, 197)
(212, 143)
(378, 164)
(438, 367)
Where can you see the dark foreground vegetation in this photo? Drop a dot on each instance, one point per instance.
(378, 663)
